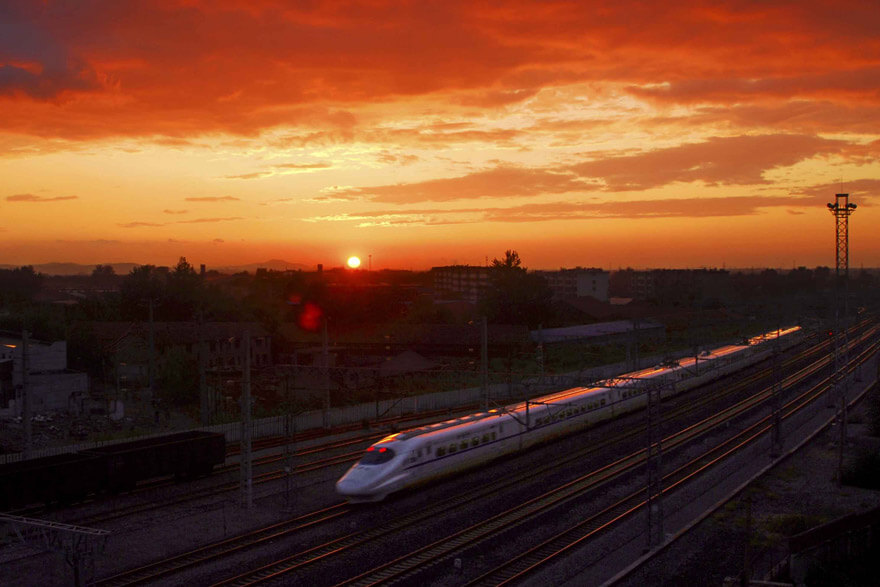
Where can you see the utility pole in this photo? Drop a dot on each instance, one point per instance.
(325, 373)
(290, 440)
(484, 362)
(776, 401)
(152, 351)
(204, 404)
(26, 395)
(841, 209)
(653, 464)
(247, 489)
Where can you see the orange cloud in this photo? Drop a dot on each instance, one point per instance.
(213, 199)
(40, 199)
(139, 224)
(739, 160)
(207, 220)
(502, 182)
(542, 212)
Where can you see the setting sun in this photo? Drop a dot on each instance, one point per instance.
(354, 262)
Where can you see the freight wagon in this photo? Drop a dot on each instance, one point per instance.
(70, 477)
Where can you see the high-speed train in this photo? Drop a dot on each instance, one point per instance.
(420, 455)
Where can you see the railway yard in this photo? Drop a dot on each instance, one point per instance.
(569, 511)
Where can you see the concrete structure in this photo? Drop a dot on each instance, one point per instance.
(578, 283)
(52, 387)
(464, 282)
(677, 286)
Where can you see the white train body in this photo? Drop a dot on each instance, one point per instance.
(420, 455)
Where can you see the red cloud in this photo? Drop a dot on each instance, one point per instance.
(179, 69)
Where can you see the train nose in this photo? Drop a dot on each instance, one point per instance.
(351, 483)
(345, 486)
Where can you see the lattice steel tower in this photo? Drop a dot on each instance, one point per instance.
(841, 209)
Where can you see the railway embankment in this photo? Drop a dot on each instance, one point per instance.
(756, 518)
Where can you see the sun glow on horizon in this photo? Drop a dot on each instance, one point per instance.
(354, 262)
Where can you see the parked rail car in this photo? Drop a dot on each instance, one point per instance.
(64, 478)
(183, 455)
(419, 456)
(70, 477)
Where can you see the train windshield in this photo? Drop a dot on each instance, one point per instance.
(377, 455)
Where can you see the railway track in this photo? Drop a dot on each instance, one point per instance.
(351, 541)
(517, 569)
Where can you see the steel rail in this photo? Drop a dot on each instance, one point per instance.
(407, 566)
(528, 562)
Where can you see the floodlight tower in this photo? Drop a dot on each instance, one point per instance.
(841, 209)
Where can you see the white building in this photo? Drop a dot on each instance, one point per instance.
(578, 283)
(50, 385)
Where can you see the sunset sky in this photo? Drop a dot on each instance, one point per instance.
(611, 134)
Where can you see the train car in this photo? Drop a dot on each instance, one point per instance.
(415, 457)
(70, 477)
(64, 478)
(183, 455)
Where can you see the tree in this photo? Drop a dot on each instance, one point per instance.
(141, 287)
(184, 292)
(516, 296)
(19, 285)
(178, 377)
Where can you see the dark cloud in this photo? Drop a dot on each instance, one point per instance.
(36, 64)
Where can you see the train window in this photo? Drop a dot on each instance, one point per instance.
(377, 455)
(475, 441)
(463, 445)
(493, 436)
(485, 438)
(441, 451)
(603, 401)
(453, 448)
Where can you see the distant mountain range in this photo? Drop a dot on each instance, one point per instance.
(125, 268)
